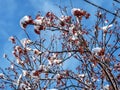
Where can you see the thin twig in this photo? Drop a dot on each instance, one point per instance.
(102, 8)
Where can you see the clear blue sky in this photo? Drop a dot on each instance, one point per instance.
(11, 11)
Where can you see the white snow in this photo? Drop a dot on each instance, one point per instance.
(81, 75)
(19, 79)
(38, 21)
(96, 50)
(106, 87)
(25, 72)
(25, 41)
(24, 20)
(104, 28)
(1, 75)
(75, 9)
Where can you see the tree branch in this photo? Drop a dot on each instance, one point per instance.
(102, 8)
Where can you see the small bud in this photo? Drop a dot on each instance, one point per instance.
(12, 39)
(4, 55)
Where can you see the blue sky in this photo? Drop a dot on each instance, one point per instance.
(11, 11)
